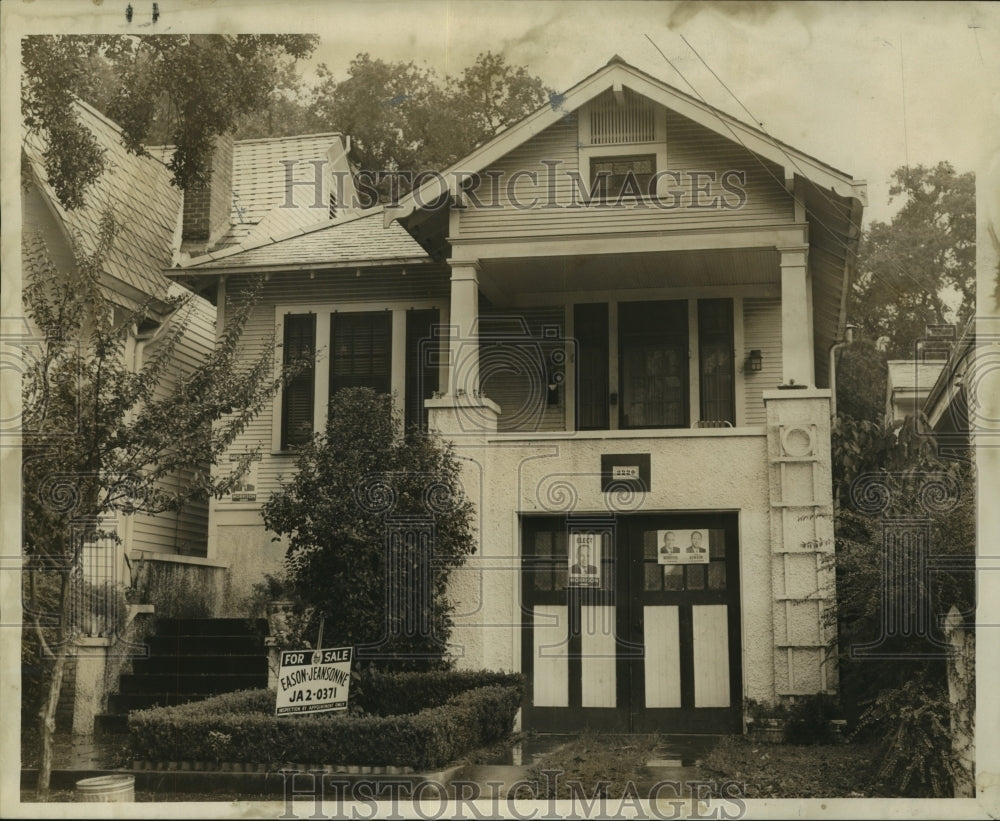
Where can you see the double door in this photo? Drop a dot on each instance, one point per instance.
(632, 623)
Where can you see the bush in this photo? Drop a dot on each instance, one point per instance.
(809, 720)
(242, 727)
(409, 692)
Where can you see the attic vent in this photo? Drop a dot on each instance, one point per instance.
(628, 121)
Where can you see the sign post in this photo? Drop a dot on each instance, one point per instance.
(313, 681)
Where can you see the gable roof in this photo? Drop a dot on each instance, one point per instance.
(259, 188)
(139, 192)
(614, 75)
(355, 239)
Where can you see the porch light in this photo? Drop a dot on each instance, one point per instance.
(755, 362)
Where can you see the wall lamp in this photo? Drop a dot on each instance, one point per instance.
(755, 362)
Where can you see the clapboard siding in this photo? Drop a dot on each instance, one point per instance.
(689, 147)
(761, 331)
(519, 351)
(302, 293)
(184, 531)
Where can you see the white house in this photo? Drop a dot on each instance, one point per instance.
(620, 310)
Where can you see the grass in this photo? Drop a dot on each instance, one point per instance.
(795, 771)
(602, 764)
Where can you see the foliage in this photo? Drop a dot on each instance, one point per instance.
(409, 692)
(905, 478)
(810, 719)
(351, 483)
(181, 89)
(911, 267)
(793, 771)
(861, 382)
(242, 727)
(911, 725)
(403, 117)
(101, 440)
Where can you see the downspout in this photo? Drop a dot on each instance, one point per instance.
(847, 340)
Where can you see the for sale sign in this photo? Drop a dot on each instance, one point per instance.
(313, 681)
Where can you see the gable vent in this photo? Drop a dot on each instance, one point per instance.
(630, 120)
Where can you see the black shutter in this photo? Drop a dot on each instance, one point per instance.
(590, 329)
(716, 355)
(297, 396)
(423, 358)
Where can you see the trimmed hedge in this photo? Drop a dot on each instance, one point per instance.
(410, 692)
(241, 727)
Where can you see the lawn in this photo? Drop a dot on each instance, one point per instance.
(795, 771)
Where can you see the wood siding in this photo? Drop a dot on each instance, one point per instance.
(303, 294)
(689, 147)
(184, 531)
(761, 331)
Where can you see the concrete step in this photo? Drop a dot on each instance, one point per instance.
(190, 683)
(253, 664)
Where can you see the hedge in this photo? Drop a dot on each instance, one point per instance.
(241, 727)
(410, 692)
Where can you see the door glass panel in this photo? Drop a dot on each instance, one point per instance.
(695, 577)
(717, 576)
(673, 578)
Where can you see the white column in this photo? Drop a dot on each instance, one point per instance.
(464, 346)
(796, 318)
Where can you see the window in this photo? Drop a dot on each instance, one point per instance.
(626, 176)
(653, 353)
(361, 351)
(297, 396)
(716, 355)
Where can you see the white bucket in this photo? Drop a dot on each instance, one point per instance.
(107, 788)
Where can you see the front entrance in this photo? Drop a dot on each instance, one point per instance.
(632, 623)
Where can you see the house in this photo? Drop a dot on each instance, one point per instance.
(138, 192)
(908, 384)
(620, 310)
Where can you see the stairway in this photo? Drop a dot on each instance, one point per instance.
(189, 659)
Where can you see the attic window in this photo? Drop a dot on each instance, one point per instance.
(627, 120)
(618, 177)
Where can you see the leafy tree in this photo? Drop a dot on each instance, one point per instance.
(913, 269)
(902, 702)
(172, 88)
(99, 438)
(358, 487)
(861, 381)
(402, 116)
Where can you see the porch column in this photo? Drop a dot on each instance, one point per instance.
(796, 318)
(463, 353)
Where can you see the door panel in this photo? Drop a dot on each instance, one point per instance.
(650, 645)
(663, 654)
(550, 654)
(711, 655)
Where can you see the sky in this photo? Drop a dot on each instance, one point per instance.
(865, 87)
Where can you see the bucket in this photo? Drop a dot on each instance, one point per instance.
(107, 788)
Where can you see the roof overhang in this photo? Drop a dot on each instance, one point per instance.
(618, 74)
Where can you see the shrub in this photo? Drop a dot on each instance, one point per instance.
(409, 692)
(242, 727)
(809, 720)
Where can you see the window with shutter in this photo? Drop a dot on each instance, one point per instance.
(297, 395)
(360, 351)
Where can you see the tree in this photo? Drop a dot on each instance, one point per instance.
(180, 89)
(861, 381)
(100, 438)
(918, 269)
(403, 117)
(884, 477)
(376, 521)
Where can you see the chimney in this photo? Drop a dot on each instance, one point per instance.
(207, 207)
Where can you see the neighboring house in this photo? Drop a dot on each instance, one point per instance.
(908, 384)
(138, 191)
(948, 413)
(610, 366)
